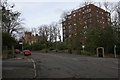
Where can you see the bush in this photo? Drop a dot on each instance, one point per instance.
(10, 55)
(8, 40)
(88, 53)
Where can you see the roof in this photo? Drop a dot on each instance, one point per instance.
(89, 5)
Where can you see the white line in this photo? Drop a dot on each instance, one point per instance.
(115, 68)
(34, 67)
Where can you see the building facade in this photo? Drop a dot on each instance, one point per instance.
(79, 20)
(30, 39)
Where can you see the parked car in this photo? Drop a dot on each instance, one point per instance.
(27, 52)
(17, 51)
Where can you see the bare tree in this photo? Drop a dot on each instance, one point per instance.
(116, 16)
(50, 32)
(59, 35)
(109, 6)
(11, 21)
(34, 31)
(64, 14)
(118, 11)
(54, 32)
(43, 31)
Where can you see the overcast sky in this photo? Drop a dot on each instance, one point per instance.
(38, 12)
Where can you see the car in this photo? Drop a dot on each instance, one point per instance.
(27, 52)
(17, 51)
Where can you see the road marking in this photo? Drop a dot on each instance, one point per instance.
(17, 58)
(74, 59)
(115, 67)
(34, 67)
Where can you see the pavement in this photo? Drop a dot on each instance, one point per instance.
(59, 65)
(19, 67)
(0, 68)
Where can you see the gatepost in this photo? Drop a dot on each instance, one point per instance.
(100, 52)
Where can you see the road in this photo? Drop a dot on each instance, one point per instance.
(59, 65)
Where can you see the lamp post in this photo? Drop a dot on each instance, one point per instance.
(83, 46)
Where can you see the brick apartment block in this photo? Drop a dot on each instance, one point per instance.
(89, 16)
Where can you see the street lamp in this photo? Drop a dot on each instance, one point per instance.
(83, 46)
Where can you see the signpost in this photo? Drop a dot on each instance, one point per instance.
(115, 50)
(21, 44)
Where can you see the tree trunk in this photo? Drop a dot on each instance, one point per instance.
(13, 51)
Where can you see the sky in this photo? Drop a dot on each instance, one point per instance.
(39, 12)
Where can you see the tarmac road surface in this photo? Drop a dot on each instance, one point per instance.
(59, 65)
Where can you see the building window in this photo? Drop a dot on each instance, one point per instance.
(102, 17)
(69, 27)
(64, 35)
(90, 15)
(89, 10)
(84, 16)
(97, 20)
(74, 24)
(85, 27)
(79, 9)
(83, 12)
(107, 14)
(74, 15)
(85, 32)
(69, 35)
(69, 30)
(69, 17)
(97, 11)
(108, 19)
(63, 27)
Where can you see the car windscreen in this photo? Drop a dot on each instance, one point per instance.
(26, 50)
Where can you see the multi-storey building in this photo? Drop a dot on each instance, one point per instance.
(89, 16)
